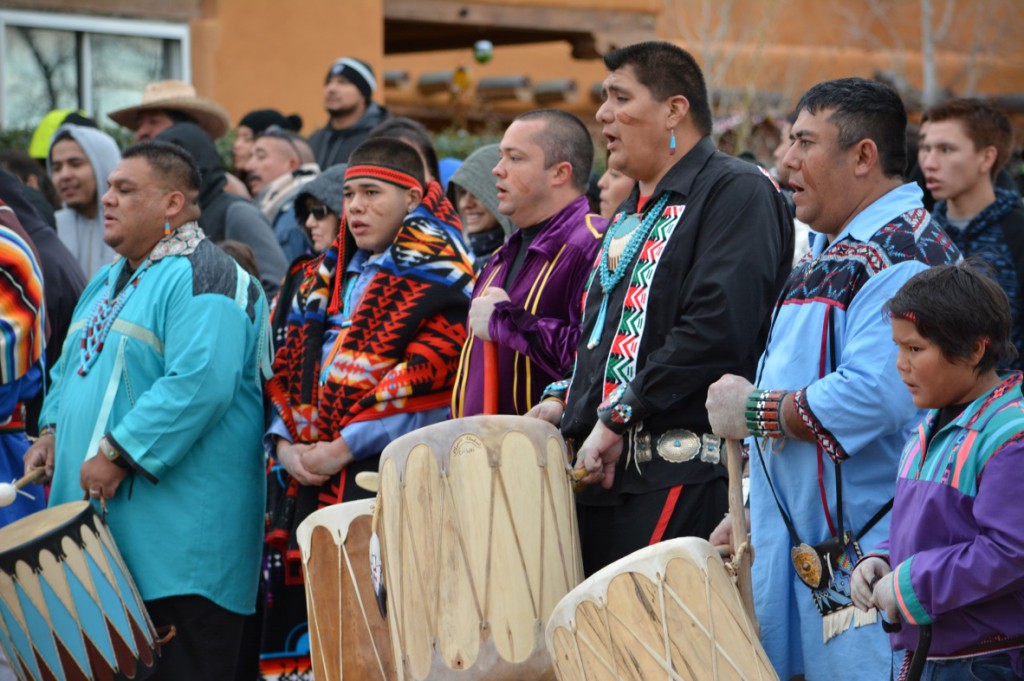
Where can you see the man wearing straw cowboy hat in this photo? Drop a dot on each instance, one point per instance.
(166, 102)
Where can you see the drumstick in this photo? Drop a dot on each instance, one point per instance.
(739, 529)
(490, 378)
(9, 490)
(577, 479)
(368, 480)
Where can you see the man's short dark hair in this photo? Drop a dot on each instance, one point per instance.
(666, 70)
(414, 133)
(179, 116)
(388, 152)
(296, 142)
(864, 109)
(563, 138)
(954, 306)
(983, 123)
(174, 165)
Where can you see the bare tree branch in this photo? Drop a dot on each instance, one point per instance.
(46, 69)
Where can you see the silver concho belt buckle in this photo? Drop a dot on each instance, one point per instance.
(677, 446)
(711, 452)
(641, 446)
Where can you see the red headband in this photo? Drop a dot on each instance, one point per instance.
(909, 316)
(385, 174)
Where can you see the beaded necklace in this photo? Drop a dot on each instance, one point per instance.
(182, 241)
(102, 319)
(637, 230)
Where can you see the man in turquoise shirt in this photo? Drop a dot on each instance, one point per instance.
(156, 407)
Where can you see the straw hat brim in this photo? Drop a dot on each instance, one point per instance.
(209, 115)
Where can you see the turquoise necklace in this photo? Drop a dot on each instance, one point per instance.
(637, 231)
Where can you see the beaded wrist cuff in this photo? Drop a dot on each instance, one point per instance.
(556, 390)
(764, 413)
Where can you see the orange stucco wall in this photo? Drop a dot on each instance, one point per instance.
(251, 54)
(261, 53)
(255, 54)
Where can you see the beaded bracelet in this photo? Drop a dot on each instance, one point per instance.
(556, 391)
(764, 413)
(47, 430)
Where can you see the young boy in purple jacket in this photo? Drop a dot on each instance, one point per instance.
(954, 559)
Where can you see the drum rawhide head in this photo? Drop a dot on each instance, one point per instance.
(668, 611)
(478, 531)
(348, 635)
(74, 610)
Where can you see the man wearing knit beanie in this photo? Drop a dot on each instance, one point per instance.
(348, 93)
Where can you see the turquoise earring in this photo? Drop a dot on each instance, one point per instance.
(672, 144)
(167, 229)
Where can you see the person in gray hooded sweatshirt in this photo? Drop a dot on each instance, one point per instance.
(79, 161)
(473, 190)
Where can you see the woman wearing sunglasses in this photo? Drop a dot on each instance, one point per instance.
(318, 208)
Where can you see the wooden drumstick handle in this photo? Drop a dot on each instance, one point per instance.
(577, 479)
(740, 536)
(490, 378)
(33, 476)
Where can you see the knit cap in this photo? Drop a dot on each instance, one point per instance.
(261, 119)
(356, 72)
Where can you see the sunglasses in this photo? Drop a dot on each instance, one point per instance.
(319, 211)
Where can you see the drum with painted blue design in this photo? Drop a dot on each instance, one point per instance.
(69, 609)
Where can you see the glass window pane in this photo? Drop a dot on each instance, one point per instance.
(121, 67)
(41, 74)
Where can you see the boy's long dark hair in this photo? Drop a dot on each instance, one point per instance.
(954, 306)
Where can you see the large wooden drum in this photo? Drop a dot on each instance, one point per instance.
(68, 606)
(349, 637)
(480, 542)
(669, 611)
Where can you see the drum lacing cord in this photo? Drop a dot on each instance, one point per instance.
(732, 566)
(165, 634)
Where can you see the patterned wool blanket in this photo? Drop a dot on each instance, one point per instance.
(398, 353)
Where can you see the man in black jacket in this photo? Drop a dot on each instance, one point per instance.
(689, 270)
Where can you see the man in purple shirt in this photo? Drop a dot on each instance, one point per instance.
(528, 297)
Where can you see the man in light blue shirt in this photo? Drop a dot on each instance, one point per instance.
(829, 411)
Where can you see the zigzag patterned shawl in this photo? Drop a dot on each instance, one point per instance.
(401, 351)
(21, 307)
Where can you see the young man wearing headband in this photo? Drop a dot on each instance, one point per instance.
(348, 92)
(360, 365)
